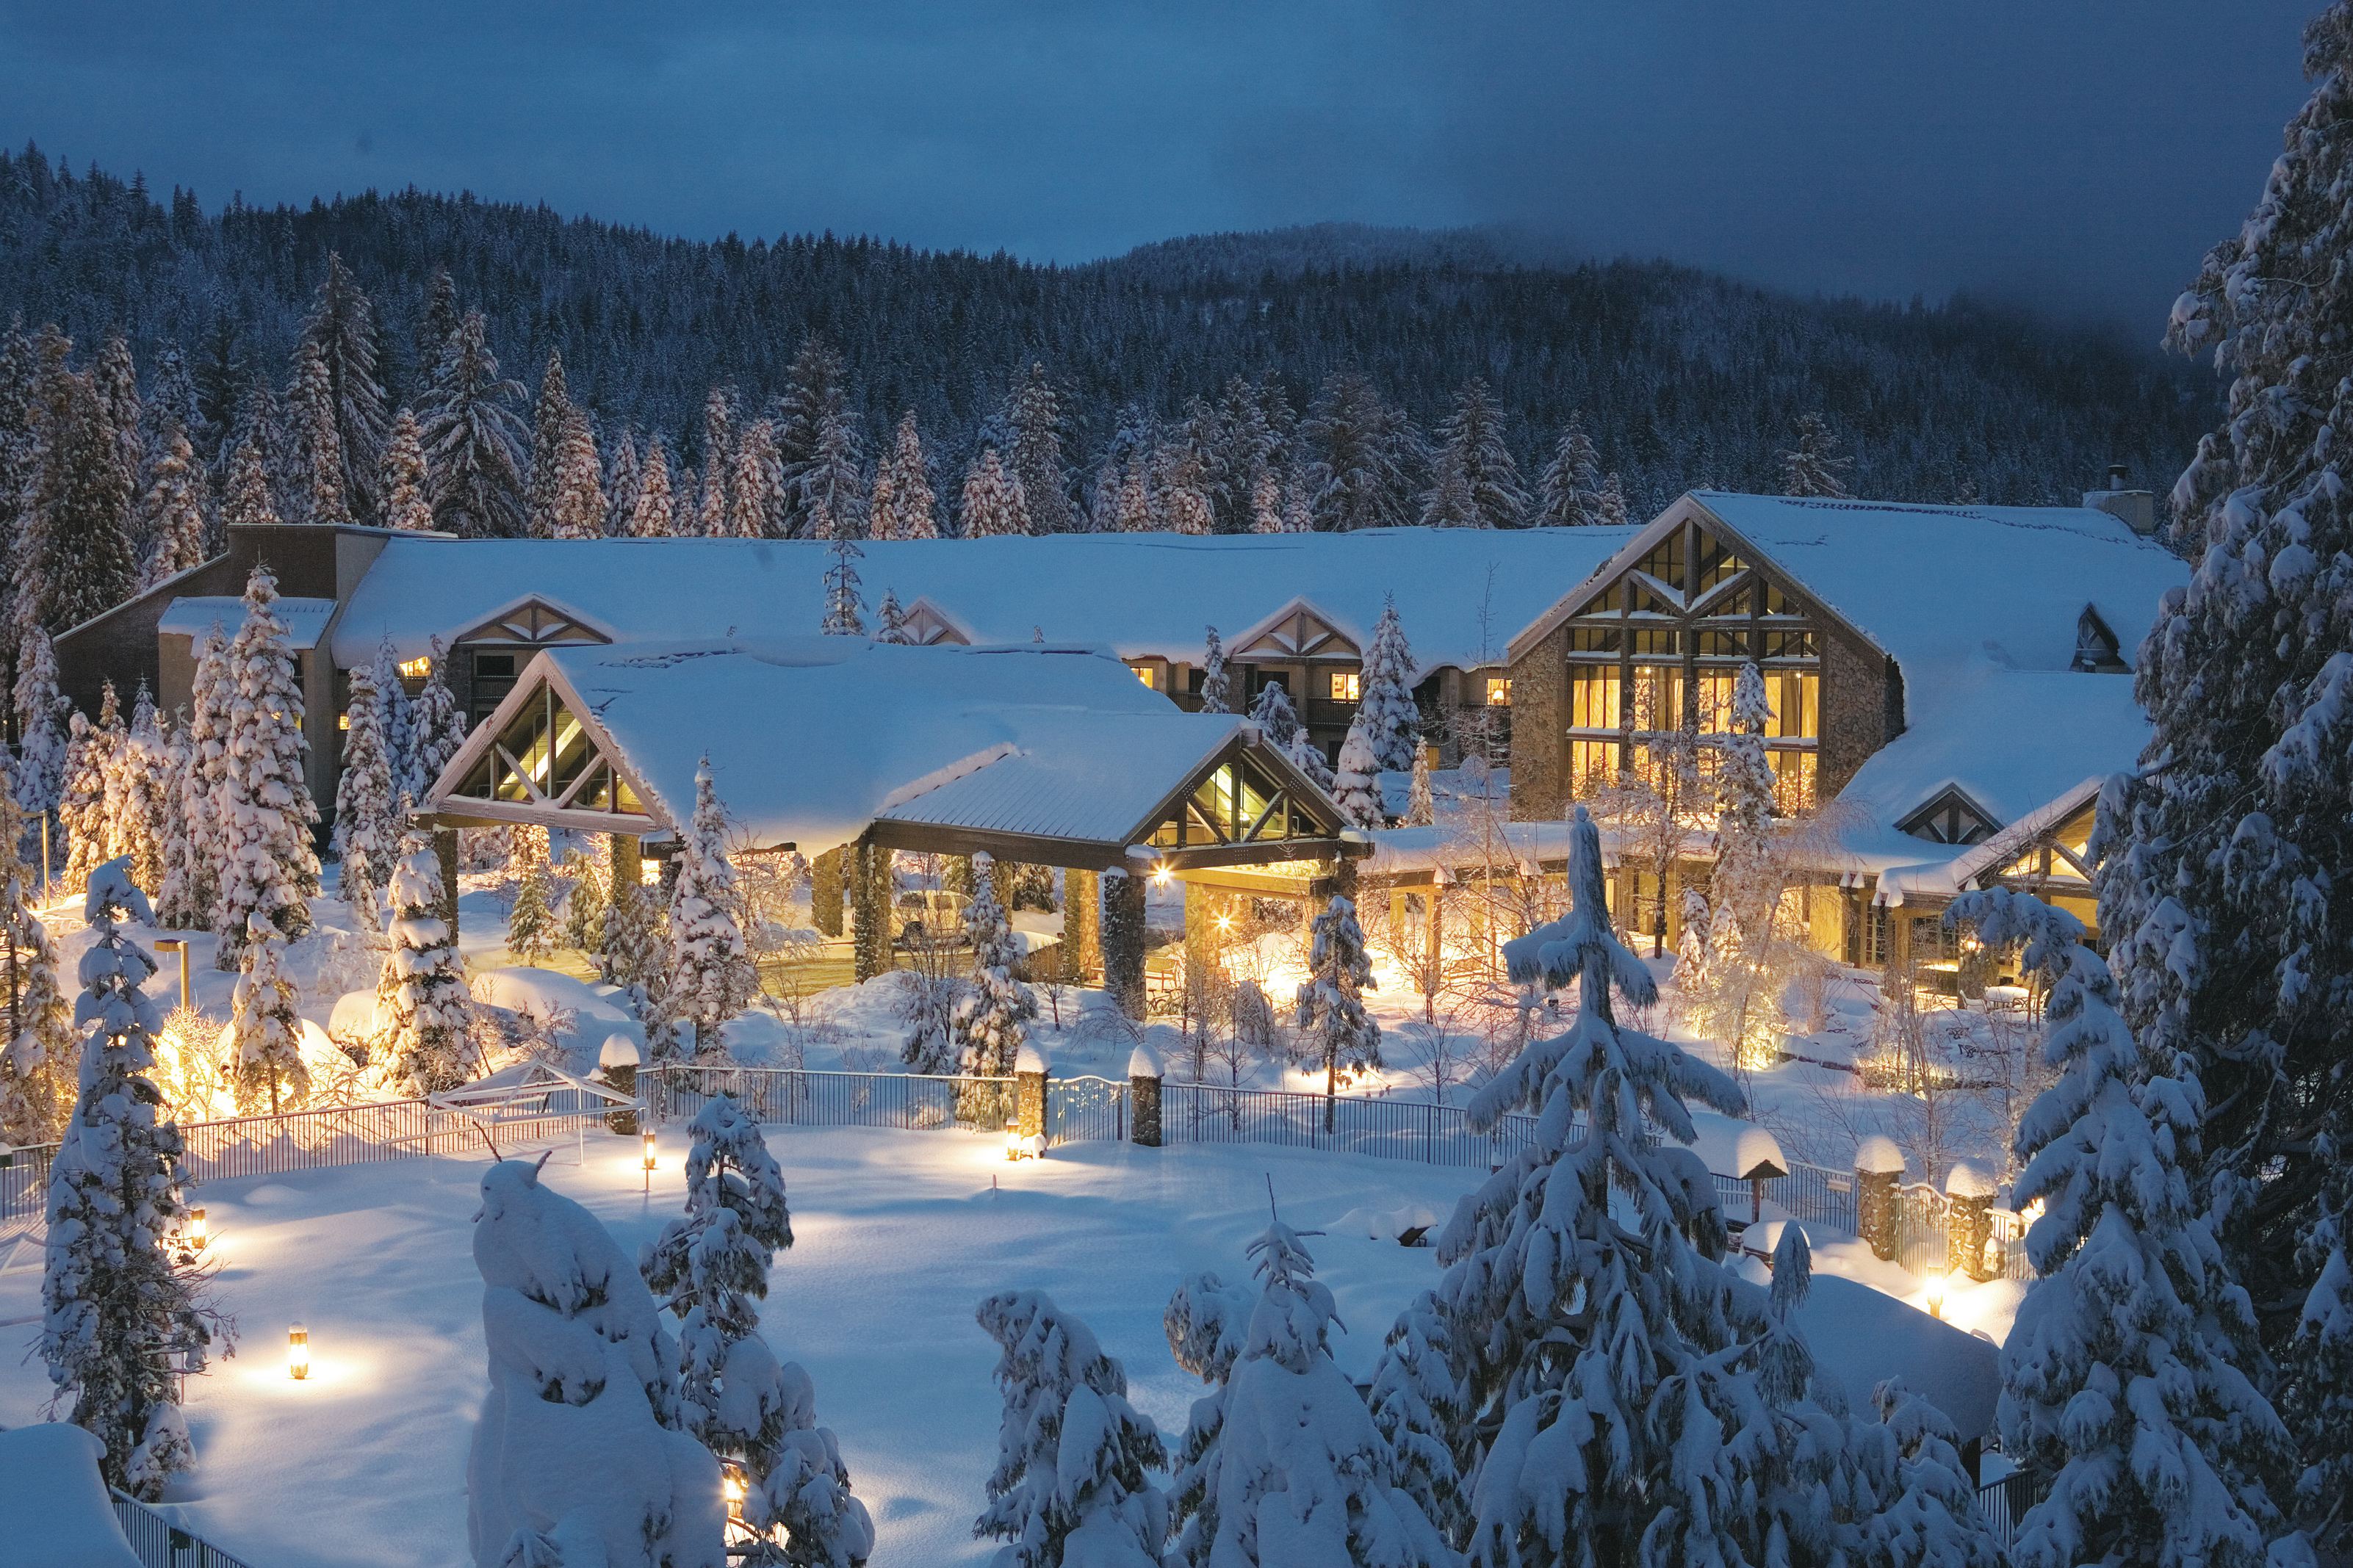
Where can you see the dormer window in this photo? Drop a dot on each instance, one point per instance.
(1951, 818)
(2095, 646)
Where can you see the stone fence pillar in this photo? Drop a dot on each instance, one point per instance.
(1122, 940)
(1968, 1220)
(445, 849)
(617, 1064)
(1030, 1095)
(1878, 1172)
(1143, 1098)
(825, 891)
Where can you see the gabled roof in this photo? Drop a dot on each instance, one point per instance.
(1458, 591)
(306, 619)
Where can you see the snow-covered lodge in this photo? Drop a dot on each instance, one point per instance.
(1949, 683)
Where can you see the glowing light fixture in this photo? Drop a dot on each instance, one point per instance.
(1160, 873)
(649, 1146)
(1936, 1294)
(731, 1485)
(1225, 923)
(416, 668)
(298, 1352)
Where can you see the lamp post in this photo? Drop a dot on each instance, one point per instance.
(298, 1352)
(648, 1142)
(179, 945)
(1937, 1295)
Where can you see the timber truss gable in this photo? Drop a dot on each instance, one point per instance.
(533, 622)
(1297, 631)
(928, 626)
(541, 758)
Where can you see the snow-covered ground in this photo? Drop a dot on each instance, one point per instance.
(898, 1236)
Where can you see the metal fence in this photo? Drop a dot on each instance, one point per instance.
(157, 1542)
(792, 1097)
(1085, 1110)
(383, 1129)
(2002, 1503)
(24, 1188)
(1385, 1128)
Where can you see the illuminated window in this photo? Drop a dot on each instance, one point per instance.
(1592, 766)
(1793, 782)
(1593, 691)
(416, 668)
(1796, 698)
(1347, 685)
(1149, 675)
(344, 720)
(1657, 696)
(1499, 692)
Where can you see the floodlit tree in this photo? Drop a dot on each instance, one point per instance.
(140, 793)
(1308, 758)
(204, 845)
(577, 495)
(117, 1311)
(1748, 965)
(39, 1055)
(584, 906)
(367, 838)
(904, 501)
(263, 803)
(319, 445)
(1475, 482)
(655, 514)
(1217, 685)
(1814, 466)
(710, 976)
(81, 808)
(40, 770)
(1073, 1457)
(993, 501)
(174, 511)
(1333, 1026)
(395, 722)
(1394, 721)
(405, 487)
(632, 952)
(1272, 715)
(531, 923)
(436, 727)
(1422, 808)
(1356, 785)
(1569, 492)
(265, 1032)
(424, 1009)
(993, 1017)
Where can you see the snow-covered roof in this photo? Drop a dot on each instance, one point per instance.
(306, 619)
(821, 736)
(1460, 592)
(1861, 1338)
(54, 1511)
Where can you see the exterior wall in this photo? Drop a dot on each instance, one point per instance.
(1862, 707)
(1540, 730)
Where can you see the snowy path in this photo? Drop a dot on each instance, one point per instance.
(898, 1235)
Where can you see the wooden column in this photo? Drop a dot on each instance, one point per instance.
(1082, 926)
(1122, 940)
(869, 910)
(628, 860)
(825, 891)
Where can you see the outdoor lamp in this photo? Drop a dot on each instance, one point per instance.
(298, 1352)
(196, 1230)
(731, 1485)
(1013, 1142)
(1936, 1294)
(649, 1141)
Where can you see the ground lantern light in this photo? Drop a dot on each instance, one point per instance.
(298, 1352)
(1936, 1294)
(649, 1141)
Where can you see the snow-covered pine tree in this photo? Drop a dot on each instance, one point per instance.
(319, 445)
(1360, 450)
(710, 976)
(2127, 1378)
(1387, 693)
(405, 488)
(1298, 504)
(1421, 809)
(624, 476)
(710, 1267)
(1926, 1513)
(1419, 1405)
(82, 806)
(1814, 466)
(74, 559)
(1036, 416)
(1745, 968)
(367, 839)
(1448, 502)
(263, 803)
(993, 501)
(891, 622)
(205, 844)
(437, 321)
(265, 1030)
(1569, 492)
(1217, 685)
(1266, 503)
(1334, 1027)
(531, 923)
(340, 332)
(115, 377)
(396, 722)
(474, 441)
(1272, 715)
(1569, 1321)
(111, 737)
(549, 415)
(1610, 509)
(1073, 1457)
(246, 502)
(1135, 511)
(829, 489)
(1181, 489)
(655, 514)
(142, 794)
(37, 1059)
(756, 484)
(117, 1311)
(175, 902)
(2318, 1401)
(1308, 758)
(579, 1364)
(424, 1009)
(1357, 785)
(436, 727)
(1297, 1471)
(41, 762)
(175, 512)
(1473, 459)
(845, 608)
(577, 495)
(1692, 947)
(584, 906)
(992, 1017)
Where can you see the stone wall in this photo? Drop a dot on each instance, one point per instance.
(1862, 707)
(1540, 730)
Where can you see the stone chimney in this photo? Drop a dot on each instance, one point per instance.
(2136, 509)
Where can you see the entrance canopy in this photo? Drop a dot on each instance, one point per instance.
(1047, 755)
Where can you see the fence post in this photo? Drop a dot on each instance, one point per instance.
(1029, 1093)
(617, 1064)
(1878, 1167)
(1968, 1220)
(1144, 1077)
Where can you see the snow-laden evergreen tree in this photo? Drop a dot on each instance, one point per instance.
(2126, 1378)
(1036, 416)
(116, 1308)
(992, 1017)
(396, 723)
(1472, 459)
(903, 501)
(576, 494)
(424, 1009)
(1298, 503)
(1266, 503)
(1217, 685)
(1610, 509)
(655, 515)
(263, 803)
(405, 486)
(319, 445)
(40, 760)
(1421, 809)
(1569, 492)
(177, 904)
(550, 413)
(204, 845)
(111, 740)
(632, 951)
(1357, 782)
(756, 484)
(531, 923)
(1448, 502)
(1923, 1511)
(1308, 758)
(624, 476)
(246, 502)
(2318, 1398)
(845, 608)
(1569, 1318)
(710, 976)
(1297, 1472)
(39, 1058)
(1272, 715)
(175, 512)
(829, 490)
(341, 334)
(1180, 489)
(437, 726)
(474, 440)
(436, 323)
(142, 793)
(1395, 721)
(82, 805)
(1334, 1027)
(579, 1438)
(1693, 946)
(115, 377)
(265, 1031)
(1361, 450)
(1071, 1487)
(1134, 510)
(1814, 466)
(74, 558)
(1419, 1404)
(710, 1267)
(813, 391)
(891, 622)
(367, 837)
(261, 424)
(1745, 968)
(585, 906)
(993, 501)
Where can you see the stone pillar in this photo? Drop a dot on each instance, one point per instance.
(1002, 875)
(825, 892)
(870, 913)
(1878, 1171)
(1968, 1221)
(1143, 1098)
(1122, 940)
(445, 849)
(1029, 1094)
(617, 1066)
(1082, 926)
(628, 860)
(1344, 877)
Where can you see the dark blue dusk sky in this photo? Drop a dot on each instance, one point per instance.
(2078, 155)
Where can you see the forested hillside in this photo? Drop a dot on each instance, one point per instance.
(1682, 378)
